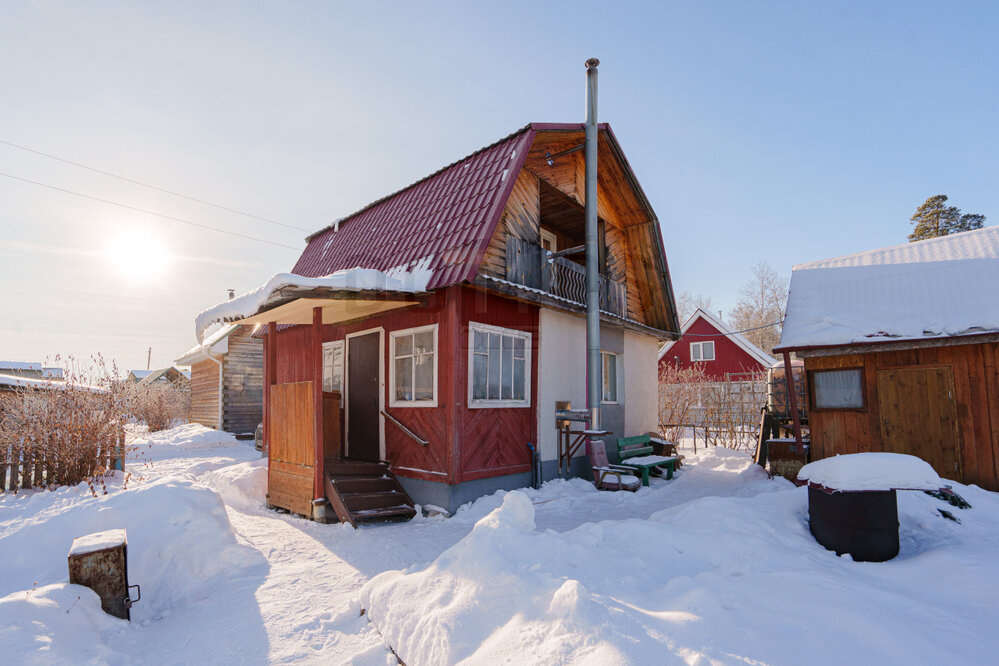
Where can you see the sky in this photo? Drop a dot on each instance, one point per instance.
(776, 132)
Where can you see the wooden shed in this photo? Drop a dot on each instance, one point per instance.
(227, 379)
(901, 348)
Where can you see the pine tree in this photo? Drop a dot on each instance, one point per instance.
(935, 218)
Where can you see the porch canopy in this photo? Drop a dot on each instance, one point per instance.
(294, 424)
(341, 296)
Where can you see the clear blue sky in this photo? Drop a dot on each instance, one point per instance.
(783, 132)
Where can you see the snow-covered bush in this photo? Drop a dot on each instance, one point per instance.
(64, 433)
(159, 406)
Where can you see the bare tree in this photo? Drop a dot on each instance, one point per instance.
(762, 301)
(688, 303)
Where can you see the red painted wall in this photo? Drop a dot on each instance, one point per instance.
(729, 357)
(465, 443)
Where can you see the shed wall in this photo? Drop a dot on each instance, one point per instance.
(205, 393)
(975, 371)
(243, 384)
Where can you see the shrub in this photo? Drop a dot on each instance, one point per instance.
(159, 406)
(66, 433)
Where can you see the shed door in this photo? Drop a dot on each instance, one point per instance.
(363, 404)
(919, 416)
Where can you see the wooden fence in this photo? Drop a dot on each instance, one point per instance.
(23, 468)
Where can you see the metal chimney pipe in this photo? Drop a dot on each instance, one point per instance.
(593, 393)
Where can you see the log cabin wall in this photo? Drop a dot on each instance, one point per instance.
(975, 372)
(243, 382)
(629, 242)
(205, 393)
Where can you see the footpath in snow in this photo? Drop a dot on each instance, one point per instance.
(716, 566)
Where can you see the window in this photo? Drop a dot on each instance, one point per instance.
(499, 366)
(413, 372)
(838, 389)
(609, 377)
(702, 351)
(549, 241)
(333, 366)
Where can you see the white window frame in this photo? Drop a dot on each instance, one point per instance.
(551, 238)
(617, 378)
(699, 346)
(393, 402)
(474, 403)
(334, 367)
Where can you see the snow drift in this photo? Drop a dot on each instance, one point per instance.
(715, 580)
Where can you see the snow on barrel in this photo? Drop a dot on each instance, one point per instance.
(852, 504)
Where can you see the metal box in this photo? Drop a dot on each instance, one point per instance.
(100, 561)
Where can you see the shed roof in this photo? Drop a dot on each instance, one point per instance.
(937, 288)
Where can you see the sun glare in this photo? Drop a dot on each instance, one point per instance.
(138, 255)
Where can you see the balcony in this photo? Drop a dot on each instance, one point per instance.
(530, 265)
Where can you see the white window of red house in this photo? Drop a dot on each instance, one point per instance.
(499, 367)
(333, 366)
(702, 351)
(413, 367)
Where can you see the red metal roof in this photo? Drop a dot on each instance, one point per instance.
(448, 216)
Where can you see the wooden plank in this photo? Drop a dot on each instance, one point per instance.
(291, 484)
(291, 468)
(292, 503)
(292, 423)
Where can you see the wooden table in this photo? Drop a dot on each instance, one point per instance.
(644, 463)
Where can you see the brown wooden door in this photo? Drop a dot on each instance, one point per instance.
(363, 404)
(919, 416)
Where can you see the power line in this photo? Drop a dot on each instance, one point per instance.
(147, 212)
(152, 187)
(716, 335)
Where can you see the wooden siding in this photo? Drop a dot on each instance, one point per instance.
(520, 219)
(290, 482)
(729, 357)
(975, 372)
(243, 383)
(205, 393)
(464, 443)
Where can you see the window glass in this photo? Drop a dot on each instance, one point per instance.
(695, 351)
(838, 389)
(414, 366)
(708, 351)
(499, 362)
(333, 366)
(609, 377)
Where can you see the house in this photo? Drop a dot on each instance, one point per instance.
(706, 342)
(29, 370)
(168, 375)
(442, 326)
(229, 363)
(901, 351)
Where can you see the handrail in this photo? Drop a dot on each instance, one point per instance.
(416, 438)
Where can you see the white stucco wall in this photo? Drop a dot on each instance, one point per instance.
(561, 373)
(641, 370)
(562, 376)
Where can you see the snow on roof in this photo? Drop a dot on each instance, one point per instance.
(91, 543)
(747, 346)
(871, 471)
(407, 279)
(941, 287)
(216, 343)
(25, 382)
(20, 365)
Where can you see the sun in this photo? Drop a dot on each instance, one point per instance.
(138, 255)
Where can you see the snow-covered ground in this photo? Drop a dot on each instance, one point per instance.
(716, 566)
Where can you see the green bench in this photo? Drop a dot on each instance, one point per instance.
(638, 453)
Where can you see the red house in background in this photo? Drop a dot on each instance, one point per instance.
(707, 342)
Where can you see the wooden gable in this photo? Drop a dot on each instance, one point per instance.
(551, 196)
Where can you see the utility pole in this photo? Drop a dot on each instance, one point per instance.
(149, 358)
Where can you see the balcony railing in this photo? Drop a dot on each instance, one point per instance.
(531, 266)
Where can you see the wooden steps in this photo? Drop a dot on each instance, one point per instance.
(362, 491)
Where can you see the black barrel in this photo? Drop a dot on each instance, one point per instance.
(861, 523)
